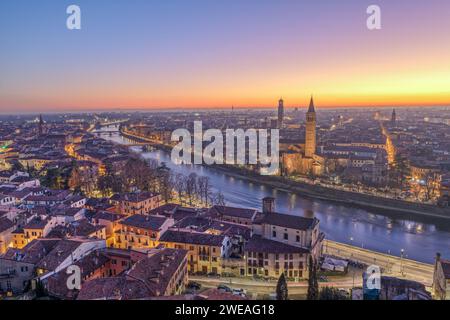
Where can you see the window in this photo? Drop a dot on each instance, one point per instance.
(274, 234)
(297, 238)
(286, 237)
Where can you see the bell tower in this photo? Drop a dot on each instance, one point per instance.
(310, 141)
(280, 113)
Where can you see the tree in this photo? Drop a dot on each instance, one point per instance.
(282, 289)
(166, 185)
(191, 187)
(50, 180)
(40, 289)
(204, 189)
(219, 199)
(329, 293)
(179, 185)
(110, 182)
(136, 174)
(313, 285)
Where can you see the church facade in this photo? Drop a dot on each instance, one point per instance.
(302, 159)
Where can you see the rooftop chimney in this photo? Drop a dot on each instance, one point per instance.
(268, 205)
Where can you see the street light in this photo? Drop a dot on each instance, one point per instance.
(401, 261)
(351, 239)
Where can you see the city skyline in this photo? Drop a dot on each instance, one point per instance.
(217, 55)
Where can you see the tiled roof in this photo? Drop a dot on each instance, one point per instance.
(59, 253)
(36, 223)
(288, 221)
(83, 228)
(144, 221)
(118, 288)
(202, 224)
(233, 212)
(175, 211)
(192, 238)
(57, 283)
(157, 270)
(33, 252)
(259, 244)
(5, 224)
(105, 215)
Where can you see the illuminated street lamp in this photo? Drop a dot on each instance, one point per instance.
(402, 252)
(351, 239)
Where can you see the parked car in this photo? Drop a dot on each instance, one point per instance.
(239, 292)
(192, 285)
(224, 288)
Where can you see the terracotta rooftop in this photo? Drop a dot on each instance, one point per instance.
(259, 244)
(157, 270)
(118, 288)
(233, 212)
(144, 221)
(288, 221)
(5, 224)
(59, 253)
(57, 283)
(33, 252)
(192, 237)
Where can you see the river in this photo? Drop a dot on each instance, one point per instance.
(420, 238)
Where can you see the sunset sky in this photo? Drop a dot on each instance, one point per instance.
(214, 53)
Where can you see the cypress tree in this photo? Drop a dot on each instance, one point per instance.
(313, 284)
(282, 289)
